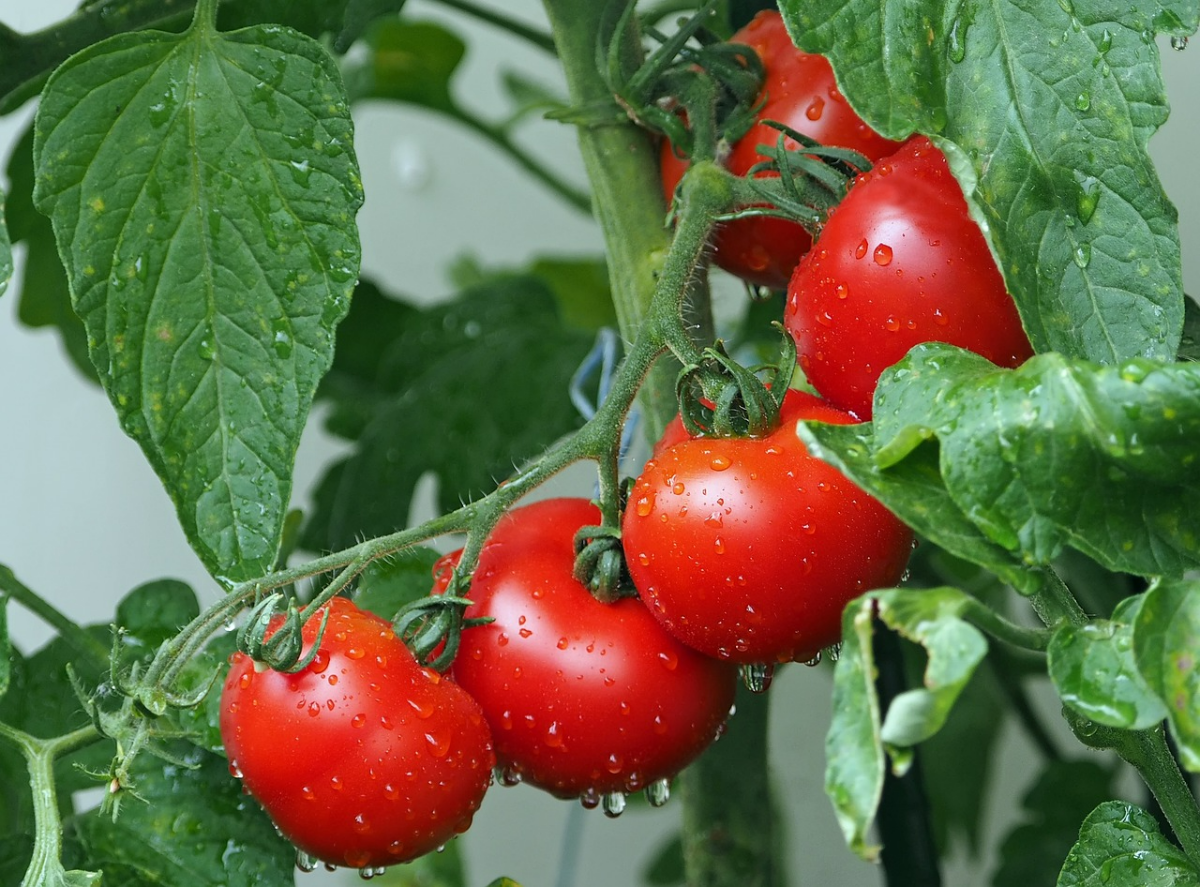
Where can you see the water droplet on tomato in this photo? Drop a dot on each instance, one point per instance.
(757, 676)
(842, 291)
(613, 804)
(719, 545)
(335, 783)
(861, 249)
(234, 770)
(715, 520)
(815, 108)
(553, 737)
(882, 254)
(814, 661)
(658, 792)
(502, 640)
(590, 799)
(361, 825)
(305, 862)
(359, 720)
(314, 709)
(614, 763)
(355, 653)
(563, 643)
(506, 721)
(677, 488)
(644, 506)
(391, 792)
(396, 848)
(438, 744)
(720, 463)
(892, 324)
(508, 776)
(319, 663)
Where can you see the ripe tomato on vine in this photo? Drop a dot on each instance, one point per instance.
(584, 698)
(362, 758)
(899, 262)
(748, 549)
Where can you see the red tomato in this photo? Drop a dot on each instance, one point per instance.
(363, 758)
(749, 549)
(801, 92)
(584, 698)
(899, 262)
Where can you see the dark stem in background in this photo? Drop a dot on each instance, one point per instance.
(910, 854)
(731, 833)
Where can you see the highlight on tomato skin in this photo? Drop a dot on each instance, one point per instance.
(363, 758)
(899, 262)
(585, 699)
(748, 550)
(801, 92)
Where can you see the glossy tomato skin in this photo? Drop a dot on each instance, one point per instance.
(583, 698)
(363, 758)
(748, 549)
(899, 262)
(799, 91)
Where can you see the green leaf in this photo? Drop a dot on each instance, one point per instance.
(45, 296)
(1055, 453)
(1052, 104)
(1121, 844)
(1093, 668)
(1063, 794)
(388, 584)
(406, 61)
(858, 737)
(915, 491)
(196, 829)
(1166, 638)
(465, 390)
(666, 866)
(202, 723)
(203, 190)
(155, 611)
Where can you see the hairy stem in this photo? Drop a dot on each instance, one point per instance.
(1147, 751)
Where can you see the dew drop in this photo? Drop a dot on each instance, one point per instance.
(842, 291)
(814, 661)
(757, 676)
(882, 254)
(614, 763)
(613, 804)
(658, 792)
(892, 324)
(590, 799)
(439, 745)
(719, 463)
(1082, 255)
(677, 488)
(1179, 42)
(860, 250)
(815, 108)
(957, 45)
(355, 653)
(305, 862)
(644, 506)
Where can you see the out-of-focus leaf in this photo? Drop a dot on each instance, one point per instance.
(388, 584)
(1166, 644)
(406, 61)
(858, 737)
(466, 390)
(1052, 104)
(665, 868)
(203, 188)
(1095, 672)
(1121, 844)
(1057, 802)
(155, 611)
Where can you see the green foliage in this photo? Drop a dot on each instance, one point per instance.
(388, 584)
(401, 386)
(859, 736)
(206, 220)
(194, 828)
(1166, 638)
(1084, 235)
(1055, 453)
(1121, 844)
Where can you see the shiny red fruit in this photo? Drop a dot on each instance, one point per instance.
(799, 91)
(899, 262)
(584, 698)
(363, 758)
(749, 549)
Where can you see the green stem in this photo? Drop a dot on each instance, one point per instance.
(205, 16)
(540, 39)
(731, 835)
(45, 867)
(984, 617)
(576, 197)
(1147, 751)
(1054, 603)
(83, 643)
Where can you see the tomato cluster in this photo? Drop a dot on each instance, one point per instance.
(741, 550)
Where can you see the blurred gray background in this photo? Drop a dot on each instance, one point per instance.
(83, 519)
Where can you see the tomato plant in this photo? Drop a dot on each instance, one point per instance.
(748, 549)
(363, 757)
(324, 394)
(584, 698)
(799, 91)
(899, 262)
